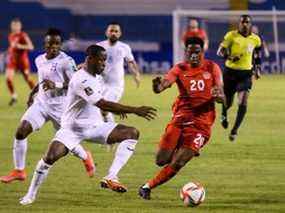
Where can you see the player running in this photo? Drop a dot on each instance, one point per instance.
(17, 57)
(241, 48)
(82, 120)
(113, 75)
(55, 68)
(199, 82)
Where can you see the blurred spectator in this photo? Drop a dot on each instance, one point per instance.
(193, 30)
(74, 44)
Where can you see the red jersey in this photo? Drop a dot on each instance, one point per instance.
(195, 103)
(200, 33)
(19, 38)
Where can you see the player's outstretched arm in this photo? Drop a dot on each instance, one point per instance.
(146, 112)
(159, 84)
(32, 95)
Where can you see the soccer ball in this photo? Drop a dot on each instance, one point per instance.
(192, 194)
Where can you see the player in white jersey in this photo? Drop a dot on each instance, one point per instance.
(117, 54)
(55, 68)
(82, 120)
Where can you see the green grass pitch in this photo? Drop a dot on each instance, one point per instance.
(245, 176)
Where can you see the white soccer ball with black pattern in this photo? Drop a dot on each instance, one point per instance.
(192, 194)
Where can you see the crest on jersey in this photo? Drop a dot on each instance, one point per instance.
(88, 91)
(206, 75)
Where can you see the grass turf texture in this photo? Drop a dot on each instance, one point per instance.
(245, 176)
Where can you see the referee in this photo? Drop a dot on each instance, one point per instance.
(241, 49)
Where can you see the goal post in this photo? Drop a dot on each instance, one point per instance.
(216, 23)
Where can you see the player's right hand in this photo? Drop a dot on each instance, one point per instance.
(47, 84)
(234, 58)
(155, 84)
(146, 112)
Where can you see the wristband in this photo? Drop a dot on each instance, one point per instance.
(59, 85)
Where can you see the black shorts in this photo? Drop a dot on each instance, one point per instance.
(237, 80)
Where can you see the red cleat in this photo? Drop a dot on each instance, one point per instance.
(89, 165)
(113, 185)
(20, 175)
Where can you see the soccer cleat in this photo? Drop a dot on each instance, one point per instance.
(12, 101)
(224, 122)
(114, 185)
(20, 175)
(232, 136)
(89, 165)
(144, 193)
(27, 199)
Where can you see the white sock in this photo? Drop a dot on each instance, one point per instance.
(110, 117)
(79, 152)
(124, 151)
(39, 176)
(19, 153)
(14, 96)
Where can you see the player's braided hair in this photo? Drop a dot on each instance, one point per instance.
(94, 50)
(194, 40)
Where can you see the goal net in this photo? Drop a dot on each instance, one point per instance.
(271, 25)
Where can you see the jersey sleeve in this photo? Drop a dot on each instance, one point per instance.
(227, 40)
(40, 77)
(89, 91)
(172, 74)
(258, 42)
(217, 74)
(129, 55)
(70, 67)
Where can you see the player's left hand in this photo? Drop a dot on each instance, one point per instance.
(48, 84)
(217, 94)
(257, 72)
(137, 80)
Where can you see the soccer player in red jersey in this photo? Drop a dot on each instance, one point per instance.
(193, 30)
(200, 85)
(17, 58)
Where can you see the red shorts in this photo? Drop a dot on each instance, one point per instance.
(189, 137)
(21, 63)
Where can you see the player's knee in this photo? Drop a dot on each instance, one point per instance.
(23, 130)
(133, 133)
(50, 158)
(178, 164)
(161, 161)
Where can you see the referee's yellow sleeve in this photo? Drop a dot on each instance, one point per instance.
(227, 40)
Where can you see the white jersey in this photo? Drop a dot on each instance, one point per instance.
(57, 70)
(116, 55)
(84, 91)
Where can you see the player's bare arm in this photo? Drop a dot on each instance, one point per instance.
(28, 46)
(219, 95)
(146, 112)
(133, 67)
(32, 95)
(159, 84)
(257, 62)
(225, 53)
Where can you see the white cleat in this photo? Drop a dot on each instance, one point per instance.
(26, 200)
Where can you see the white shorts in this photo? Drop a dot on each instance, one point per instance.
(37, 115)
(71, 137)
(113, 94)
